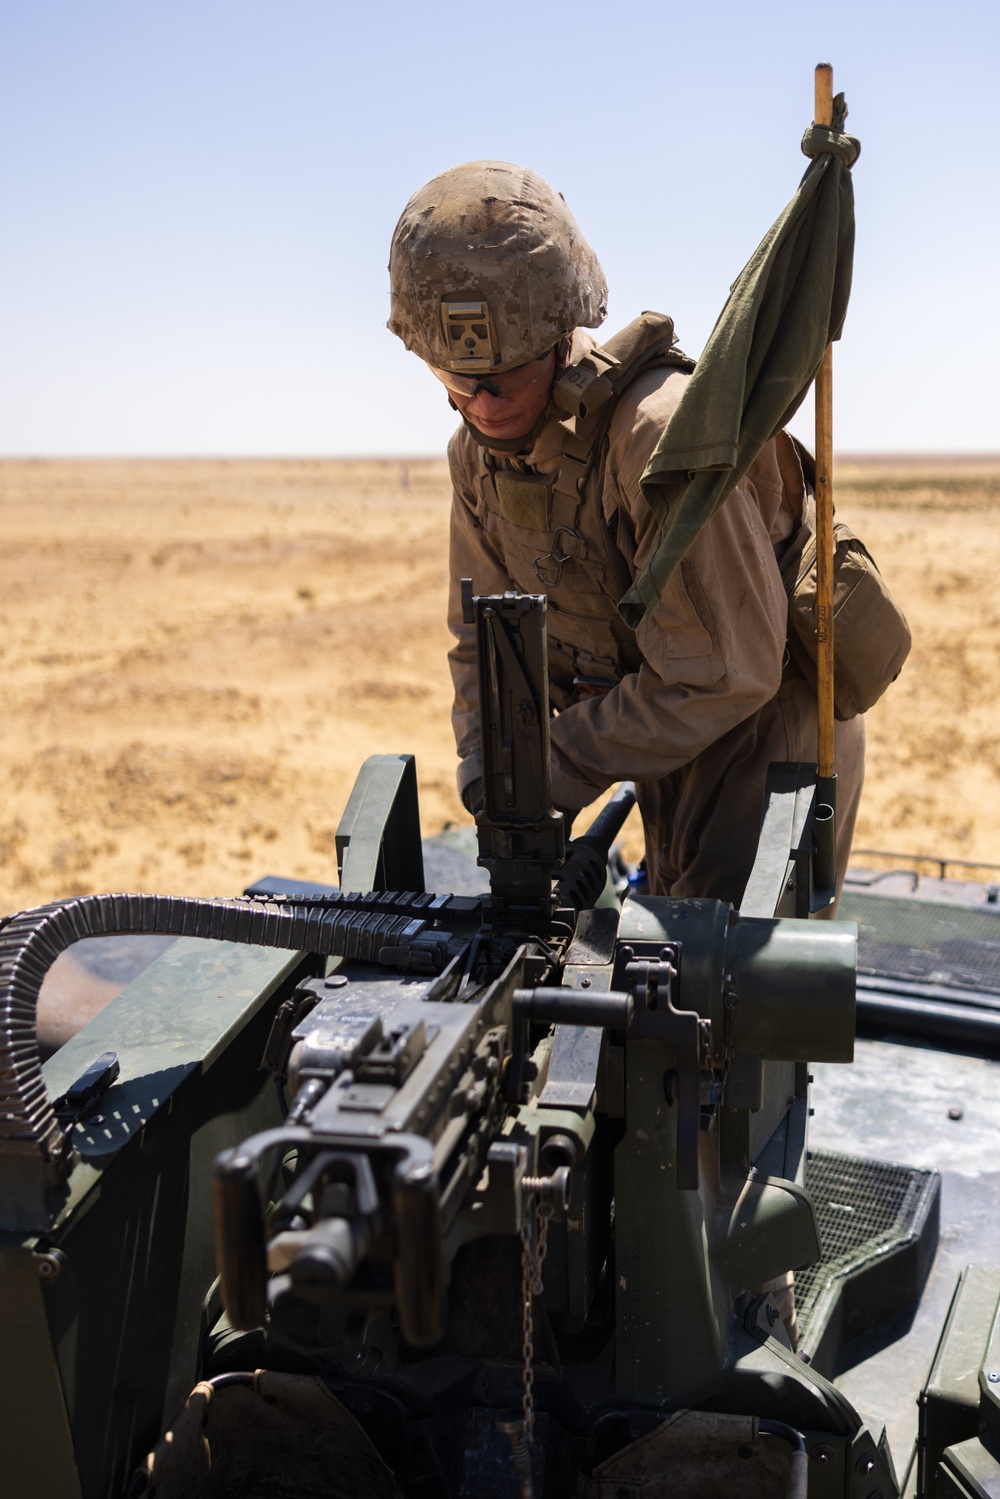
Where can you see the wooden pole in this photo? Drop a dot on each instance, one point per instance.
(824, 501)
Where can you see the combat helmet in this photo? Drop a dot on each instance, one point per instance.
(489, 270)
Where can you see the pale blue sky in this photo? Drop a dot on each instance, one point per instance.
(198, 197)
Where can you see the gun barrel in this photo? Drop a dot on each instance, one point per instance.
(584, 873)
(610, 819)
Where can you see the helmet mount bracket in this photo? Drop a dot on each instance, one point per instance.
(470, 336)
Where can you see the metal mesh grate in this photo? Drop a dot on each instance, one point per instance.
(862, 1207)
(925, 942)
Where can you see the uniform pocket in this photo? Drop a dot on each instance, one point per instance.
(682, 627)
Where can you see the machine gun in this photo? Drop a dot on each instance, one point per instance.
(542, 1151)
(621, 1089)
(403, 1090)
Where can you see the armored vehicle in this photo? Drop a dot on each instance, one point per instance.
(503, 1188)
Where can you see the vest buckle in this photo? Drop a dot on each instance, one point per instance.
(550, 577)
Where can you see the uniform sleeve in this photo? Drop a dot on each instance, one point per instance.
(472, 556)
(712, 649)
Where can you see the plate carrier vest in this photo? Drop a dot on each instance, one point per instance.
(550, 529)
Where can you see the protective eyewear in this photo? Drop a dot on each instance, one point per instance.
(510, 383)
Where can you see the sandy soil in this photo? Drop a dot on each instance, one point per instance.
(196, 657)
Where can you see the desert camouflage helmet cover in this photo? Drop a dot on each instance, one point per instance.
(489, 270)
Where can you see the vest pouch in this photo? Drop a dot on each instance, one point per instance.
(871, 638)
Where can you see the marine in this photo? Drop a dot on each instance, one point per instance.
(495, 288)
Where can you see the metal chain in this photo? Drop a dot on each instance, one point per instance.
(528, 1317)
(534, 1247)
(544, 1214)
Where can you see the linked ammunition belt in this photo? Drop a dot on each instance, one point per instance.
(344, 924)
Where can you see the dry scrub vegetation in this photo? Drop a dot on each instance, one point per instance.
(195, 658)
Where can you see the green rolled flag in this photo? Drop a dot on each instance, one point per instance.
(787, 304)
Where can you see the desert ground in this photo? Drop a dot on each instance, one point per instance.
(196, 657)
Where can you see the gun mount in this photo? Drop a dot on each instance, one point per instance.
(541, 1152)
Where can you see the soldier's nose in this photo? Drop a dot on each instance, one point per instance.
(488, 405)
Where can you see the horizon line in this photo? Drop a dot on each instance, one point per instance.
(854, 455)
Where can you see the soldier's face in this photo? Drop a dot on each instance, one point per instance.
(506, 406)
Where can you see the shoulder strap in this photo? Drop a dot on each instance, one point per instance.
(588, 384)
(588, 391)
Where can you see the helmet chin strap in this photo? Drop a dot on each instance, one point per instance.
(506, 444)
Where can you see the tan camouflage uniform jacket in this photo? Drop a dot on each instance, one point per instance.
(701, 699)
